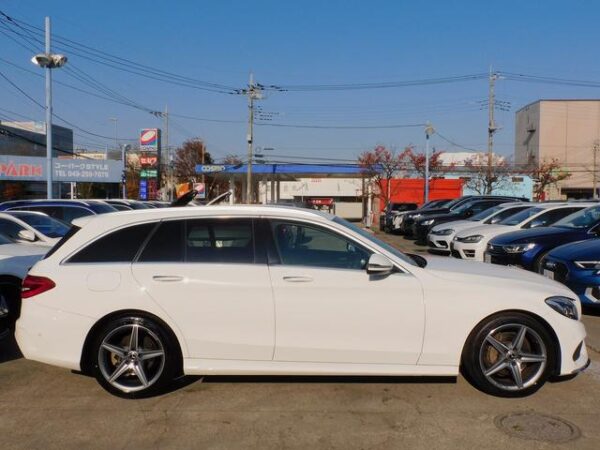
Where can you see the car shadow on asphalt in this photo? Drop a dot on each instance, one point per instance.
(591, 311)
(349, 379)
(9, 350)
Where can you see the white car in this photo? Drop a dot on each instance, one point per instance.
(15, 260)
(32, 227)
(140, 297)
(471, 243)
(441, 235)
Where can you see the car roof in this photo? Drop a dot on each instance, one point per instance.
(49, 202)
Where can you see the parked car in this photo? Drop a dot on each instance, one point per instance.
(32, 227)
(137, 299)
(577, 265)
(398, 218)
(65, 210)
(471, 244)
(388, 213)
(422, 226)
(15, 261)
(527, 248)
(441, 235)
(409, 218)
(123, 204)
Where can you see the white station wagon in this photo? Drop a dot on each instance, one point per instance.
(139, 298)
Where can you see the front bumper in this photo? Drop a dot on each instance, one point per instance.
(439, 243)
(51, 336)
(573, 351)
(468, 251)
(585, 283)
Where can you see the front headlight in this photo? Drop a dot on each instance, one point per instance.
(428, 222)
(518, 248)
(444, 232)
(474, 239)
(564, 306)
(415, 216)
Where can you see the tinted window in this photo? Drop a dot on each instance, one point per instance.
(550, 217)
(101, 207)
(219, 241)
(582, 219)
(305, 245)
(504, 213)
(119, 246)
(10, 229)
(519, 217)
(70, 213)
(166, 244)
(46, 225)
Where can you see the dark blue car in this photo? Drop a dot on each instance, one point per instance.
(578, 266)
(527, 248)
(65, 210)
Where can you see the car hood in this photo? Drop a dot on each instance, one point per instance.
(539, 234)
(486, 230)
(8, 250)
(588, 250)
(457, 270)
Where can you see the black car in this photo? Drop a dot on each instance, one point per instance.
(410, 218)
(422, 226)
(387, 215)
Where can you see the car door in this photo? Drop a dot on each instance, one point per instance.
(206, 275)
(329, 310)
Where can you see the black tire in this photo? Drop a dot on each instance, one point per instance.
(152, 338)
(10, 306)
(481, 356)
(537, 264)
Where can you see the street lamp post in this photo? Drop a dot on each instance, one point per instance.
(428, 132)
(49, 61)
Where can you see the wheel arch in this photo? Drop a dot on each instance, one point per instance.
(85, 359)
(538, 318)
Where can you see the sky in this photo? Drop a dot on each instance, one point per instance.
(286, 43)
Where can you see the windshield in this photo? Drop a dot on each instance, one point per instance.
(5, 239)
(581, 219)
(519, 217)
(43, 224)
(101, 207)
(451, 204)
(465, 206)
(373, 239)
(486, 213)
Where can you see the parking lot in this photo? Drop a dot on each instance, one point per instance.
(43, 406)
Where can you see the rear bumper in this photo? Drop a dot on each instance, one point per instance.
(52, 336)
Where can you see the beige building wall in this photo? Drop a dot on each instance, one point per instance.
(566, 130)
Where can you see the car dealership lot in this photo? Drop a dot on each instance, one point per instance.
(43, 406)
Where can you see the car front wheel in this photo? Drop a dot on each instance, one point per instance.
(509, 355)
(133, 356)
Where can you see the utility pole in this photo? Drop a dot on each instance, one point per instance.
(595, 171)
(429, 130)
(169, 174)
(254, 93)
(48, 115)
(491, 128)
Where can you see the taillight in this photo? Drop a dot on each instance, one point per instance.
(33, 285)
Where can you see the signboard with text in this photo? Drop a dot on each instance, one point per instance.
(150, 140)
(31, 168)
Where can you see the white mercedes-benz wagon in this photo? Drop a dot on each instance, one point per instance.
(139, 298)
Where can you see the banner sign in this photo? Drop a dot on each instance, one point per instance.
(201, 189)
(143, 190)
(31, 168)
(150, 140)
(209, 168)
(148, 173)
(149, 160)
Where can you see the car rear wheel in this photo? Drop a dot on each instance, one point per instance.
(509, 355)
(133, 356)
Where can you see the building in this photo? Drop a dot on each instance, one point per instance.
(565, 130)
(29, 139)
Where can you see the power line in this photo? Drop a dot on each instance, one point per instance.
(340, 127)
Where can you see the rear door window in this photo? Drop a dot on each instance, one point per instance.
(118, 246)
(219, 241)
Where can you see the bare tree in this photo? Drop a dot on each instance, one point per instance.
(547, 174)
(415, 162)
(380, 165)
(480, 179)
(191, 153)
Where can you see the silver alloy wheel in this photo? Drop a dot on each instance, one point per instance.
(131, 357)
(513, 357)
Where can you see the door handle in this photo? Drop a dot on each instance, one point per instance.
(167, 278)
(297, 279)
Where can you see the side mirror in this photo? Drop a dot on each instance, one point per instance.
(379, 265)
(27, 235)
(536, 223)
